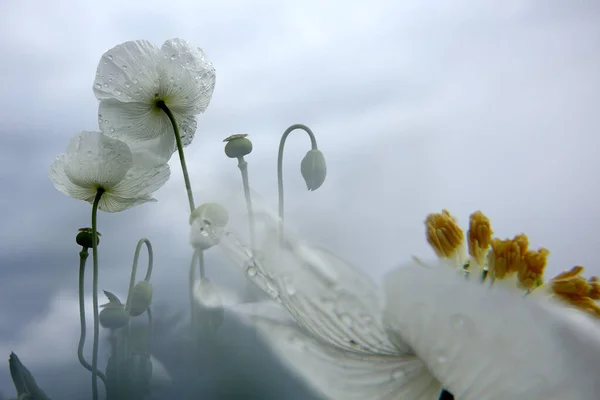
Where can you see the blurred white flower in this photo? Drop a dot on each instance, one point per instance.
(207, 223)
(435, 329)
(95, 161)
(133, 77)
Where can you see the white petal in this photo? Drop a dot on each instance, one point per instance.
(160, 375)
(128, 73)
(488, 343)
(140, 182)
(187, 127)
(96, 160)
(133, 122)
(329, 297)
(63, 183)
(153, 153)
(345, 375)
(112, 203)
(187, 77)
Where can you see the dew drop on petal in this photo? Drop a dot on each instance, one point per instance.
(134, 80)
(110, 57)
(106, 85)
(251, 271)
(98, 86)
(127, 85)
(124, 67)
(106, 121)
(112, 130)
(119, 92)
(346, 320)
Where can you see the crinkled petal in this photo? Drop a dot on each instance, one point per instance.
(340, 374)
(62, 182)
(133, 122)
(487, 343)
(328, 296)
(187, 77)
(128, 72)
(187, 127)
(113, 203)
(140, 182)
(96, 160)
(153, 153)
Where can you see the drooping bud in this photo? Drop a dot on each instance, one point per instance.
(84, 238)
(141, 298)
(113, 314)
(237, 146)
(313, 169)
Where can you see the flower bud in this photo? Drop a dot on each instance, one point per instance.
(84, 238)
(113, 316)
(314, 169)
(141, 298)
(213, 212)
(237, 146)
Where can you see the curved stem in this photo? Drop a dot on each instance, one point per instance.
(95, 292)
(243, 166)
(83, 255)
(188, 186)
(313, 144)
(136, 257)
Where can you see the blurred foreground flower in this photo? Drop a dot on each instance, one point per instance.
(94, 161)
(136, 80)
(436, 330)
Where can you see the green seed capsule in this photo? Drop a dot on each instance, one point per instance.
(237, 146)
(141, 298)
(84, 238)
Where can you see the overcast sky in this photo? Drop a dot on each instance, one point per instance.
(417, 106)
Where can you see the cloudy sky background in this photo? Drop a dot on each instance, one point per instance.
(417, 106)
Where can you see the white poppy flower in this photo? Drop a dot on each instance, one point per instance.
(134, 76)
(436, 330)
(95, 161)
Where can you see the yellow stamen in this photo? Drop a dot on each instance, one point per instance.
(479, 236)
(444, 234)
(506, 256)
(532, 268)
(571, 287)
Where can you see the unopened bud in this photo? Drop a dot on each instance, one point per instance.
(113, 315)
(314, 169)
(84, 238)
(237, 146)
(141, 298)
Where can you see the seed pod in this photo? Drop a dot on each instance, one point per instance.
(141, 298)
(313, 169)
(113, 316)
(237, 146)
(84, 238)
(214, 212)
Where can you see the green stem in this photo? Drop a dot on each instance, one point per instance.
(192, 279)
(136, 257)
(188, 186)
(313, 143)
(95, 293)
(201, 264)
(83, 255)
(243, 166)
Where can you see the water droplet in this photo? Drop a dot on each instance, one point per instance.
(112, 130)
(251, 271)
(124, 67)
(127, 85)
(173, 57)
(110, 57)
(398, 374)
(106, 121)
(106, 85)
(134, 80)
(119, 92)
(346, 320)
(98, 86)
